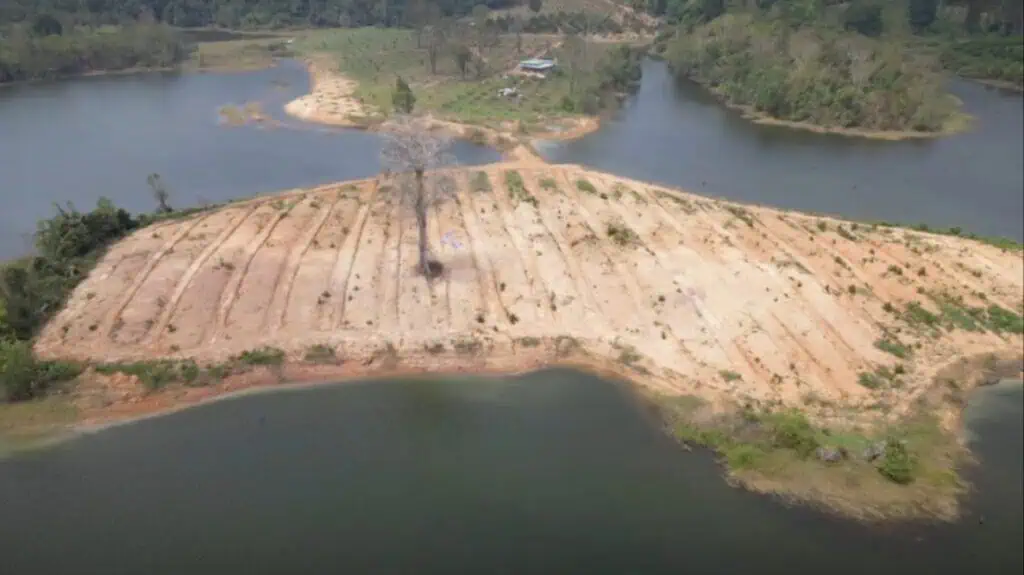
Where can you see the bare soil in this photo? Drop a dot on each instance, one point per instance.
(682, 293)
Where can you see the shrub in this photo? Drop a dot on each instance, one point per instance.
(402, 99)
(23, 377)
(792, 430)
(261, 356)
(899, 464)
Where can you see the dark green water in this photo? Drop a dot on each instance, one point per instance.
(555, 472)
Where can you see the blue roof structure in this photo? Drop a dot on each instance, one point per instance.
(537, 64)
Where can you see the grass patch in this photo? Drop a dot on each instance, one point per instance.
(741, 214)
(622, 234)
(1006, 244)
(321, 354)
(891, 345)
(528, 341)
(548, 184)
(729, 375)
(882, 377)
(153, 374)
(845, 234)
(586, 187)
(467, 346)
(261, 356)
(900, 470)
(683, 203)
(955, 314)
(517, 189)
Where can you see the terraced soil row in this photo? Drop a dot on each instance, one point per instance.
(744, 300)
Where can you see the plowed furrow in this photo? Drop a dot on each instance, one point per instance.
(539, 293)
(341, 273)
(951, 278)
(664, 277)
(190, 314)
(580, 300)
(464, 286)
(858, 326)
(88, 306)
(113, 321)
(491, 307)
(515, 286)
(324, 204)
(362, 292)
(595, 277)
(240, 273)
(562, 301)
(392, 271)
(311, 299)
(779, 287)
(144, 312)
(599, 229)
(842, 272)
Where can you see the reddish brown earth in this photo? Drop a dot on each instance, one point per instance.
(728, 302)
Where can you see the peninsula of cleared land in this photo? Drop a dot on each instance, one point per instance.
(813, 353)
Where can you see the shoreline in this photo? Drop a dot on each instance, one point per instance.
(829, 491)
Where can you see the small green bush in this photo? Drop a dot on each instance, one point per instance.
(261, 356)
(792, 430)
(899, 464)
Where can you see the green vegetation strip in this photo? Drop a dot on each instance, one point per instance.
(774, 443)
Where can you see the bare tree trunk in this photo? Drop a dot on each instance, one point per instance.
(421, 223)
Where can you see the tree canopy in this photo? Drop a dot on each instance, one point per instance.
(230, 13)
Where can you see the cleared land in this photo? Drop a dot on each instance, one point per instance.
(689, 295)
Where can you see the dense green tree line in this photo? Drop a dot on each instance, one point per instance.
(27, 56)
(34, 288)
(814, 75)
(972, 16)
(230, 13)
(52, 38)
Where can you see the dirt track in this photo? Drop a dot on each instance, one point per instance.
(712, 298)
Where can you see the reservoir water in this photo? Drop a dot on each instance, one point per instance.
(675, 133)
(83, 139)
(554, 472)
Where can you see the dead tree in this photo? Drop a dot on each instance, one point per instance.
(414, 154)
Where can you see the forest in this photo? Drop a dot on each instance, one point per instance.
(231, 13)
(42, 39)
(865, 65)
